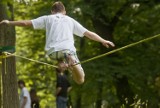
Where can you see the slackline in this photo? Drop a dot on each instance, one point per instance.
(10, 54)
(7, 54)
(122, 48)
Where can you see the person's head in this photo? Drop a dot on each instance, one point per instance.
(21, 84)
(58, 70)
(58, 7)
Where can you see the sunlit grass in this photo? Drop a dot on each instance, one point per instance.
(138, 103)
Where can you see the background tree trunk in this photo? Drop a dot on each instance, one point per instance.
(0, 83)
(125, 93)
(9, 78)
(78, 101)
(99, 95)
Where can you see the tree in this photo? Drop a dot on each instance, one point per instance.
(108, 17)
(7, 40)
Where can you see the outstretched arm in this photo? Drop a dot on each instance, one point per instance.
(22, 23)
(95, 37)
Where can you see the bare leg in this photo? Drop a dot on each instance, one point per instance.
(78, 73)
(77, 70)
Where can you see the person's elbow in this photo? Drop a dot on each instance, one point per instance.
(26, 23)
(87, 33)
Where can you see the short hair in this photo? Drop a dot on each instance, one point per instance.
(58, 7)
(21, 82)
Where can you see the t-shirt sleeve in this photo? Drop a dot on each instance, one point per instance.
(79, 30)
(39, 23)
(25, 93)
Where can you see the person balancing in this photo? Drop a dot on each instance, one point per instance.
(60, 30)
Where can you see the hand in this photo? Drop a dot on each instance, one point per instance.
(4, 22)
(108, 43)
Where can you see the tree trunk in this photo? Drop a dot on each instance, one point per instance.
(0, 83)
(9, 79)
(99, 95)
(78, 102)
(124, 92)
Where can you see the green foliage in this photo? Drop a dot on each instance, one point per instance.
(137, 103)
(139, 64)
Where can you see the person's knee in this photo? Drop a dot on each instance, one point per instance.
(78, 74)
(80, 81)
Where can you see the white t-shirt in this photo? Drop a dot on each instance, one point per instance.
(59, 31)
(25, 93)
